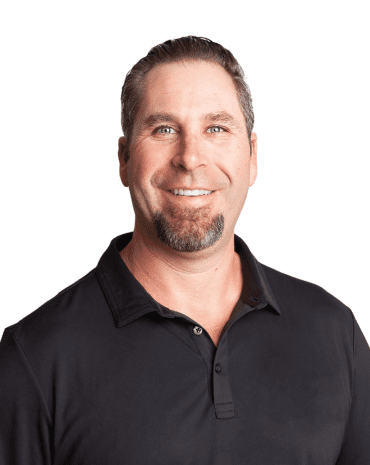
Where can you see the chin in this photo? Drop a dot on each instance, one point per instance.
(191, 234)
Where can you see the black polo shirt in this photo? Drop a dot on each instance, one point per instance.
(103, 374)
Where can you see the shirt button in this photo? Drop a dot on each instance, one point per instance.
(197, 330)
(217, 368)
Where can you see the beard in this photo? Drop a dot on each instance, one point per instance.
(188, 229)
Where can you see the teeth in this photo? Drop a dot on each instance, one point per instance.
(191, 193)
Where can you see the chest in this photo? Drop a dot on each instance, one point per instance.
(290, 389)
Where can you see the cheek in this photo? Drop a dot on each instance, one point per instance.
(143, 165)
(241, 169)
(141, 175)
(241, 165)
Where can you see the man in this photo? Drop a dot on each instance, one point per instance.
(180, 347)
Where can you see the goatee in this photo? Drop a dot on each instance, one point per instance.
(189, 229)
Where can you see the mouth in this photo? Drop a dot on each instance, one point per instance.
(190, 193)
(208, 200)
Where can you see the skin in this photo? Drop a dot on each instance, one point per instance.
(193, 153)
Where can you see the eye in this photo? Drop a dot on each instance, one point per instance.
(166, 130)
(217, 127)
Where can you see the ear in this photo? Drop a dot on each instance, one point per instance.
(122, 163)
(253, 159)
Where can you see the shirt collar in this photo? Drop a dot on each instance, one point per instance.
(129, 300)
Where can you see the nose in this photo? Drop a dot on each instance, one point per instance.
(190, 153)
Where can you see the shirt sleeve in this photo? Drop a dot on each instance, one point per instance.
(356, 443)
(25, 422)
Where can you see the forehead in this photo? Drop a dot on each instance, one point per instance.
(188, 89)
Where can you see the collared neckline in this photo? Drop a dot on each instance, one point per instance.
(129, 300)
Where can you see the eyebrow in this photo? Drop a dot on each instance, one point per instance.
(216, 117)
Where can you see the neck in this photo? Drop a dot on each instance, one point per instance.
(194, 283)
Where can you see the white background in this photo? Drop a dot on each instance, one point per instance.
(63, 66)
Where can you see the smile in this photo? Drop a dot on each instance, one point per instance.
(195, 196)
(190, 193)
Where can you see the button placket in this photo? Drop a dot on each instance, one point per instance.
(223, 400)
(216, 359)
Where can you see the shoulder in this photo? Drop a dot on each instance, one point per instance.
(306, 300)
(56, 320)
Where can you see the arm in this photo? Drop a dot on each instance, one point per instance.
(25, 422)
(356, 442)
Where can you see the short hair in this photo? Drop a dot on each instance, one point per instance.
(189, 48)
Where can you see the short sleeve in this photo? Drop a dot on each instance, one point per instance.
(356, 443)
(25, 422)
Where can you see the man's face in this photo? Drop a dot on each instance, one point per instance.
(189, 134)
